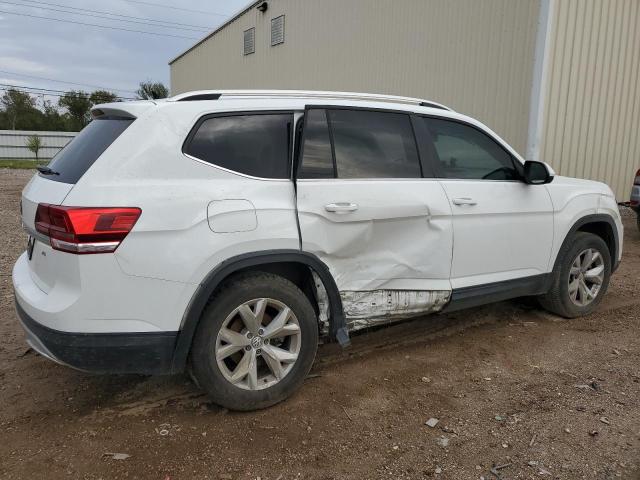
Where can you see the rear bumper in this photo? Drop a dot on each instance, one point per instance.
(141, 353)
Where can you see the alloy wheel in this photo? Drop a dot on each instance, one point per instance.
(586, 277)
(258, 344)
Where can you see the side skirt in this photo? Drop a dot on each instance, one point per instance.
(498, 291)
(365, 309)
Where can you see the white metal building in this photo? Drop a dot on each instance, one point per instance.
(558, 79)
(13, 143)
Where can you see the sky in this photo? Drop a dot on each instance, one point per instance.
(36, 51)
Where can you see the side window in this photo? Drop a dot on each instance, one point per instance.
(256, 144)
(317, 160)
(466, 153)
(370, 144)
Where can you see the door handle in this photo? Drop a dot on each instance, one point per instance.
(341, 207)
(464, 201)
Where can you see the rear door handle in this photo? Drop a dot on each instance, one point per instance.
(341, 207)
(464, 201)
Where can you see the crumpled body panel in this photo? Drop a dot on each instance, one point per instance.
(368, 308)
(397, 237)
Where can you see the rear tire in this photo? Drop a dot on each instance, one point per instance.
(581, 277)
(255, 343)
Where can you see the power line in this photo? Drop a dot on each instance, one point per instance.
(177, 8)
(99, 26)
(100, 16)
(120, 15)
(43, 94)
(191, 28)
(44, 90)
(65, 82)
(31, 88)
(48, 93)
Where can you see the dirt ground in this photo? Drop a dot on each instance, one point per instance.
(516, 390)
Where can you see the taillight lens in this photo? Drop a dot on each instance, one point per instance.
(85, 230)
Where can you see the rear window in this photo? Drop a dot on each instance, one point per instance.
(254, 144)
(78, 156)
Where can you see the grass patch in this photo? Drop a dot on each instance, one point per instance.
(17, 163)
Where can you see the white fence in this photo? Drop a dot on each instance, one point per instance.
(13, 143)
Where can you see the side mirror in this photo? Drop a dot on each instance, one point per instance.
(536, 173)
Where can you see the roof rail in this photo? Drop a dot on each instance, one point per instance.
(372, 97)
(200, 96)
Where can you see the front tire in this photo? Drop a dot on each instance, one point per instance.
(580, 278)
(255, 343)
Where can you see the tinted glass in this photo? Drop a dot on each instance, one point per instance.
(374, 144)
(317, 160)
(467, 153)
(78, 156)
(256, 145)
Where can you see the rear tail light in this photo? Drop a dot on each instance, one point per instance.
(85, 229)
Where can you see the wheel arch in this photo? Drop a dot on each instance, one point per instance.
(267, 259)
(601, 225)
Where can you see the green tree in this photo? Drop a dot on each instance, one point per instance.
(34, 143)
(51, 118)
(152, 90)
(102, 96)
(78, 105)
(16, 104)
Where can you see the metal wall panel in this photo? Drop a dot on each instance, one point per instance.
(475, 56)
(13, 143)
(592, 106)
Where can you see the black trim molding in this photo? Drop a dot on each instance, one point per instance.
(498, 291)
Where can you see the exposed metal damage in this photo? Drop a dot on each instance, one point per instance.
(376, 307)
(364, 309)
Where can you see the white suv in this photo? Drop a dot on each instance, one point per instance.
(227, 231)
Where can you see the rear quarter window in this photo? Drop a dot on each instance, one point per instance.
(255, 144)
(77, 157)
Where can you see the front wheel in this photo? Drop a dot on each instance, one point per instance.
(255, 343)
(581, 277)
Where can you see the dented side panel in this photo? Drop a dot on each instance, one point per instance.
(397, 234)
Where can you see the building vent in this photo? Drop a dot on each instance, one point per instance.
(277, 30)
(249, 41)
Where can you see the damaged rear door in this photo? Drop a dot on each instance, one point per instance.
(366, 209)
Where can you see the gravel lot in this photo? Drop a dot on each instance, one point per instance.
(514, 389)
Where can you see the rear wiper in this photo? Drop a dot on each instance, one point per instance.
(47, 171)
